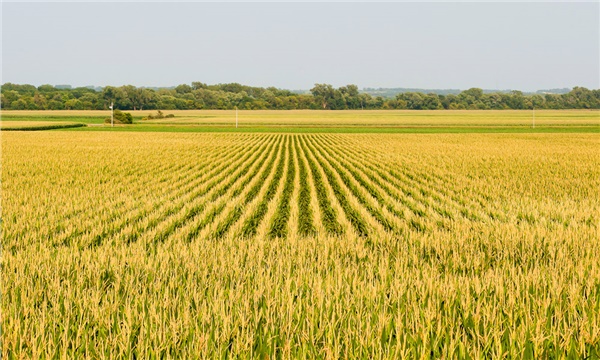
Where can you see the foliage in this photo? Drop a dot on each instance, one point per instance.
(159, 115)
(120, 117)
(322, 96)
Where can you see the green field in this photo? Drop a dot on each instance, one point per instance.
(375, 234)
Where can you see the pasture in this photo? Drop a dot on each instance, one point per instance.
(302, 244)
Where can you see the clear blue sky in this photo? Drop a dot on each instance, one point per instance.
(525, 46)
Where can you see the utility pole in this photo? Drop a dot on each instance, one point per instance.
(533, 108)
(236, 117)
(112, 114)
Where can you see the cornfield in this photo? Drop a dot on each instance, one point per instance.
(187, 245)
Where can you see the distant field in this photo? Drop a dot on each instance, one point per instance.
(266, 245)
(337, 121)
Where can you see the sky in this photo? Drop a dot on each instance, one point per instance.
(523, 46)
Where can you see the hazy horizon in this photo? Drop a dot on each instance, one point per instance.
(528, 47)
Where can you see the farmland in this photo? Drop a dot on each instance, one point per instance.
(382, 121)
(301, 244)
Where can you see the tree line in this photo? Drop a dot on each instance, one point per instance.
(322, 96)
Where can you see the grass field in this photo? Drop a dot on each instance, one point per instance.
(142, 244)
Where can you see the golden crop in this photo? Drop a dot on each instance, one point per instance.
(187, 245)
(320, 118)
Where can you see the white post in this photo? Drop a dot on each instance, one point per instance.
(236, 117)
(112, 112)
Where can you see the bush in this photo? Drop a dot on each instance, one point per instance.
(159, 115)
(120, 118)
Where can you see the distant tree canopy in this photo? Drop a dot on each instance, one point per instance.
(321, 96)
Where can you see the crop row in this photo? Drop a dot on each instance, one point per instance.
(251, 184)
(351, 189)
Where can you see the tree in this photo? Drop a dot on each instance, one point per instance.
(108, 94)
(147, 98)
(583, 98)
(432, 102)
(55, 105)
(350, 93)
(39, 100)
(183, 89)
(121, 98)
(537, 101)
(198, 85)
(9, 97)
(322, 96)
(414, 101)
(233, 87)
(476, 93)
(20, 104)
(516, 100)
(323, 93)
(363, 100)
(120, 117)
(167, 102)
(46, 88)
(73, 104)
